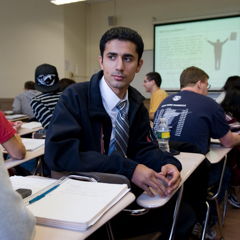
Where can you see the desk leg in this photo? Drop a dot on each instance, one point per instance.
(206, 221)
(175, 215)
(39, 163)
(109, 231)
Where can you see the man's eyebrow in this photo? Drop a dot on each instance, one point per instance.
(125, 55)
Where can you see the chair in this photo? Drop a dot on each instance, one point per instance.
(213, 197)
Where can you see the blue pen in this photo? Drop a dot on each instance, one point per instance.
(43, 194)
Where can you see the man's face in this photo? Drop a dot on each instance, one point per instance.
(119, 64)
(147, 84)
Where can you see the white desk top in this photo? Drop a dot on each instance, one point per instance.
(23, 131)
(44, 232)
(11, 162)
(216, 153)
(190, 162)
(212, 140)
(20, 118)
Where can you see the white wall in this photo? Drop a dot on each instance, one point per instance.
(75, 40)
(31, 34)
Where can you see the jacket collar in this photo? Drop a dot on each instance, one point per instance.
(95, 106)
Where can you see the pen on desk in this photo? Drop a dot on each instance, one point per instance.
(43, 194)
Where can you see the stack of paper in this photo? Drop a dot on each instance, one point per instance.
(10, 117)
(8, 112)
(74, 204)
(31, 125)
(32, 144)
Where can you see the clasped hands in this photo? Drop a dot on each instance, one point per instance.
(145, 178)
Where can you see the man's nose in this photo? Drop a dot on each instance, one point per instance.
(119, 64)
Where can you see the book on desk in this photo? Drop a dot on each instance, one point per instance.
(31, 125)
(73, 204)
(32, 144)
(11, 117)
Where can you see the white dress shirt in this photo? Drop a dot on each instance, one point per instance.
(110, 100)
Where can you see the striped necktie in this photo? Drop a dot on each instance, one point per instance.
(121, 128)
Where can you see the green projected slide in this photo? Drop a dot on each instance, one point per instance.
(212, 45)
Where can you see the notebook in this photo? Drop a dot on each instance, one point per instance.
(73, 204)
(32, 144)
(31, 125)
(10, 117)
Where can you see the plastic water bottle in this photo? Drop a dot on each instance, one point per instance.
(163, 135)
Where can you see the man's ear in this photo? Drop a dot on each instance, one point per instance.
(100, 62)
(139, 65)
(199, 84)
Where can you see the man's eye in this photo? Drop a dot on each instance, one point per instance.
(111, 57)
(128, 59)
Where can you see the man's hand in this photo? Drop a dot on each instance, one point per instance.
(17, 125)
(145, 177)
(173, 175)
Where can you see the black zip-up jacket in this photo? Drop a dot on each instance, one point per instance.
(79, 133)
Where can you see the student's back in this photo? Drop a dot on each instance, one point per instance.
(193, 118)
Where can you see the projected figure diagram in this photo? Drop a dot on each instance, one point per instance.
(217, 52)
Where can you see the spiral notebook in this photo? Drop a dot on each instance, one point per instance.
(73, 204)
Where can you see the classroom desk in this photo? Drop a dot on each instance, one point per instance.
(11, 162)
(217, 153)
(24, 131)
(190, 162)
(24, 118)
(45, 232)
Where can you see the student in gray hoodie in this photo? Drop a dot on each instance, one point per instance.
(22, 101)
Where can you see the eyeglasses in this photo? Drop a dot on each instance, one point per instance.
(208, 86)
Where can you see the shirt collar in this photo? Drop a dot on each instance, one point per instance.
(109, 98)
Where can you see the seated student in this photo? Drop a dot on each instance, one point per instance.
(47, 82)
(152, 83)
(16, 221)
(12, 142)
(21, 103)
(64, 83)
(103, 126)
(230, 105)
(195, 118)
(231, 82)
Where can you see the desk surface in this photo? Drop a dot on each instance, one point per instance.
(44, 232)
(23, 131)
(11, 162)
(24, 118)
(216, 153)
(190, 162)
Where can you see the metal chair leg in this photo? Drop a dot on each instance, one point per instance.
(219, 218)
(206, 221)
(109, 231)
(176, 211)
(38, 162)
(224, 207)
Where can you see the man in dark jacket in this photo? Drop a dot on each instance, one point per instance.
(82, 135)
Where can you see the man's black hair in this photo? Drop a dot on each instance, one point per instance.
(154, 76)
(122, 34)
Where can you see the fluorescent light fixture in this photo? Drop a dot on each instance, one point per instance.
(60, 2)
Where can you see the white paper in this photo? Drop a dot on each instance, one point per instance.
(31, 125)
(77, 201)
(33, 183)
(15, 116)
(33, 144)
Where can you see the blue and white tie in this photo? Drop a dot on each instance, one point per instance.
(121, 128)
